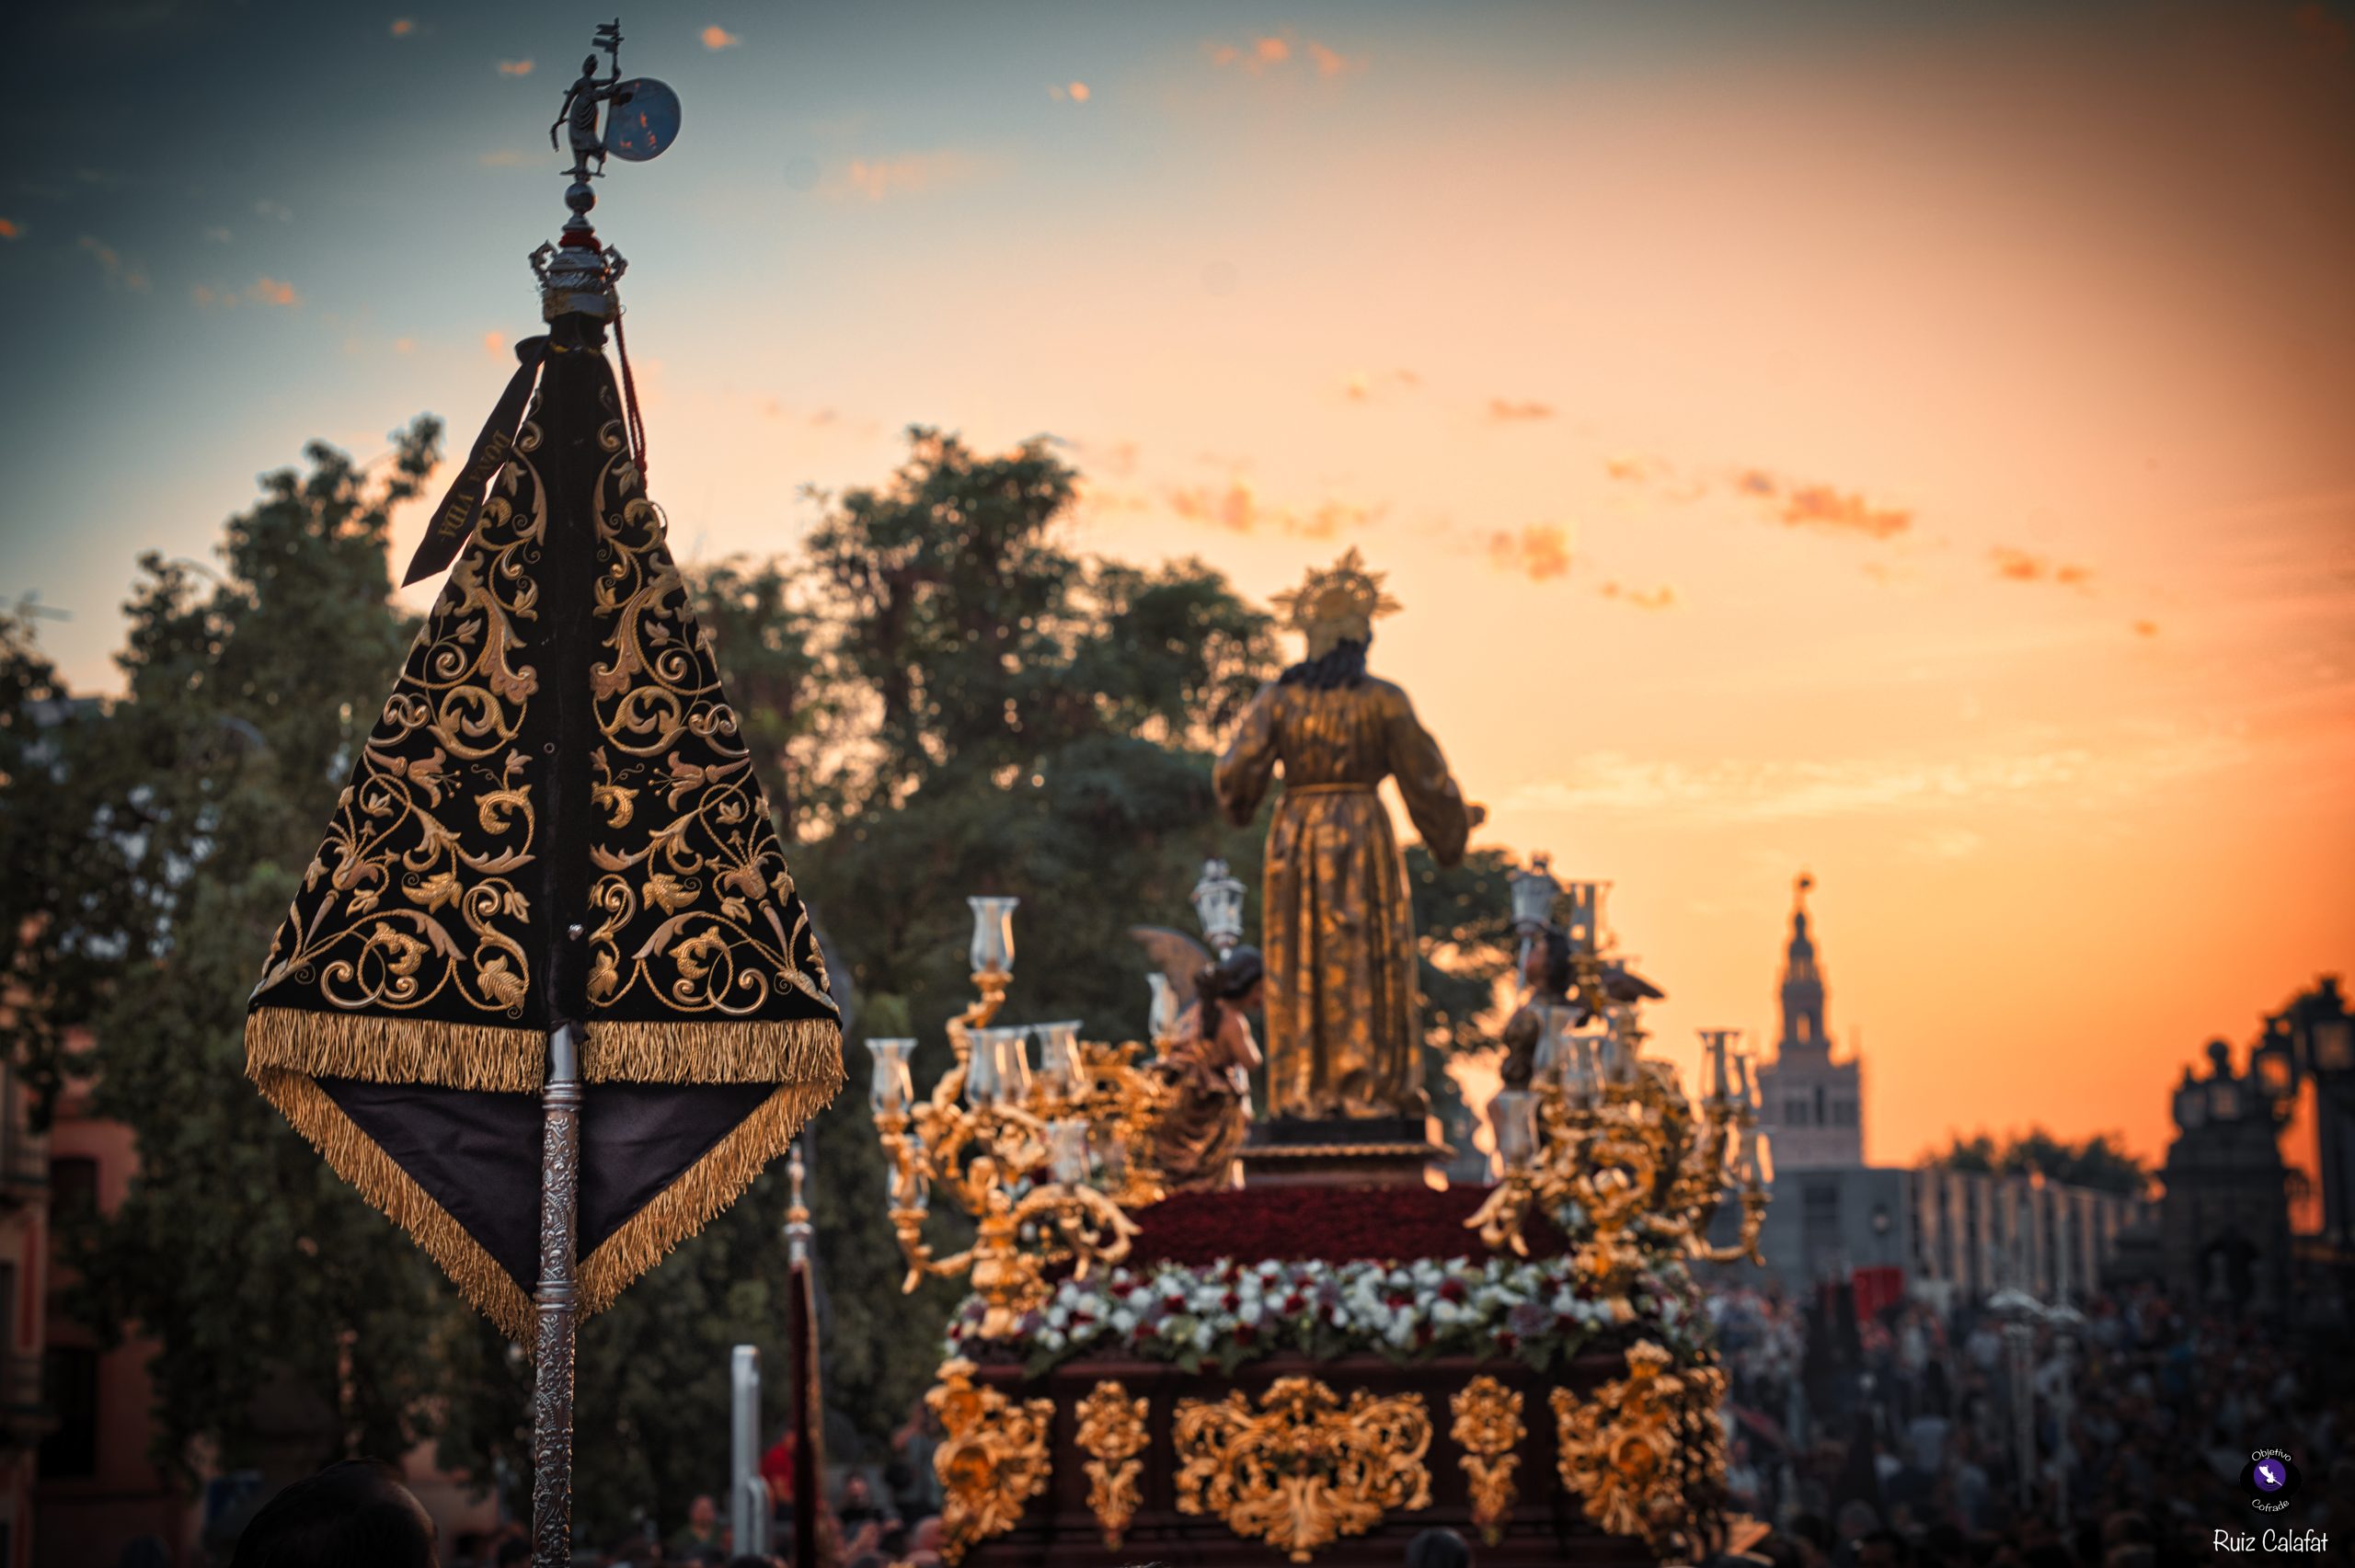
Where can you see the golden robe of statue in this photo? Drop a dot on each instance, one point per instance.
(1343, 1034)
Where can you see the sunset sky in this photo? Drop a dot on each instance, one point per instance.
(1912, 444)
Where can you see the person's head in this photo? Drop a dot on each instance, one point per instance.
(1547, 968)
(927, 1534)
(1235, 980)
(855, 1493)
(1881, 1549)
(1438, 1549)
(703, 1513)
(352, 1514)
(1855, 1519)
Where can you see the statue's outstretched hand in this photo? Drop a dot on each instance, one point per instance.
(1475, 814)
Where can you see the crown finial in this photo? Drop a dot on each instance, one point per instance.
(1337, 604)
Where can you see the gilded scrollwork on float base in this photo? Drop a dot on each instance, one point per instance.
(1620, 1447)
(992, 1456)
(1305, 1468)
(1487, 1427)
(1111, 1434)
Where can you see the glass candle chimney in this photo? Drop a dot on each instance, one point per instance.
(892, 1087)
(1060, 1069)
(1717, 1082)
(993, 949)
(1067, 1150)
(1583, 918)
(1161, 1017)
(1218, 904)
(1513, 1114)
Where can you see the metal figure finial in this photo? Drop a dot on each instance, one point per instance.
(641, 120)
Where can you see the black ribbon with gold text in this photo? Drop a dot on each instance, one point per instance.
(453, 519)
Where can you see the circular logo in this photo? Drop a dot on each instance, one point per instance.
(2269, 1477)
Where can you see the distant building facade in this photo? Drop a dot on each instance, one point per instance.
(1810, 1107)
(1958, 1234)
(2224, 1224)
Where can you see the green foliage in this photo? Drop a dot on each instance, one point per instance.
(2100, 1161)
(944, 699)
(189, 808)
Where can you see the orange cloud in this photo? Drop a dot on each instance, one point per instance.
(1661, 598)
(1824, 506)
(1238, 509)
(1504, 411)
(111, 264)
(1332, 63)
(270, 292)
(717, 36)
(1540, 551)
(2146, 628)
(514, 67)
(1364, 386)
(1628, 470)
(504, 158)
(495, 344)
(11, 229)
(873, 180)
(1275, 50)
(2018, 565)
(403, 27)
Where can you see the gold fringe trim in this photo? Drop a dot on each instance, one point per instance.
(395, 1050)
(701, 1191)
(797, 1050)
(514, 1061)
(355, 1157)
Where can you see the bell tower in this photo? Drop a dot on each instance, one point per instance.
(1810, 1107)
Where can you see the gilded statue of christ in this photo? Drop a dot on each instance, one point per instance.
(1343, 1032)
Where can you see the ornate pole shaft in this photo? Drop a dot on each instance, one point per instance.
(557, 1301)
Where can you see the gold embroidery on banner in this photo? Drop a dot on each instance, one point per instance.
(1488, 1429)
(1111, 1432)
(693, 912)
(412, 899)
(1305, 1470)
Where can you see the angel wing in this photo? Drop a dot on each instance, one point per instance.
(1177, 955)
(1621, 983)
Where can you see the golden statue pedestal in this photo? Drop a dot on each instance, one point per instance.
(1387, 1152)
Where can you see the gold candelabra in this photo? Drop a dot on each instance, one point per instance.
(1047, 1159)
(1604, 1140)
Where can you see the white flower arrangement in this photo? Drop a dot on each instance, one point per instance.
(1228, 1313)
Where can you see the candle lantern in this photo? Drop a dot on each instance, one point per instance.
(1716, 1080)
(892, 1087)
(1067, 1150)
(1533, 892)
(1218, 904)
(1061, 1069)
(1513, 1116)
(993, 949)
(1582, 912)
(1161, 1016)
(1007, 1047)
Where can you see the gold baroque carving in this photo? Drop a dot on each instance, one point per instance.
(1305, 1468)
(1488, 1429)
(991, 1459)
(1619, 1449)
(1111, 1432)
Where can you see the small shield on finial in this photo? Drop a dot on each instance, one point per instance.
(643, 120)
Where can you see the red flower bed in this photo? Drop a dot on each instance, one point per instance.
(1322, 1224)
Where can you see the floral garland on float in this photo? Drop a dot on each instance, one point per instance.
(1539, 1312)
(1081, 1257)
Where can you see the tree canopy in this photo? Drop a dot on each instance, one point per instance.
(944, 696)
(2100, 1161)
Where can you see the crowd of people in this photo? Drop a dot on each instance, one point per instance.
(1916, 1439)
(1910, 1437)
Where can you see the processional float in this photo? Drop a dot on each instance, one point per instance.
(548, 995)
(1314, 1355)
